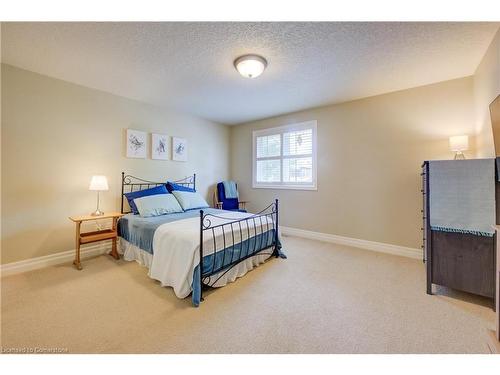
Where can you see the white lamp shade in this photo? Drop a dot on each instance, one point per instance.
(99, 183)
(459, 143)
(250, 66)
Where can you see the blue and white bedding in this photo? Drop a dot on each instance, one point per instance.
(169, 246)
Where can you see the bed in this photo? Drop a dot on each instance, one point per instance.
(229, 244)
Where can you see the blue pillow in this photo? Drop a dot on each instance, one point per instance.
(143, 193)
(172, 186)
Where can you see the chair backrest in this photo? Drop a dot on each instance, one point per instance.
(227, 203)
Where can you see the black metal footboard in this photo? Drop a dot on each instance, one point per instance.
(225, 242)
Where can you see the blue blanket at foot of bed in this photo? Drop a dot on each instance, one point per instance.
(140, 232)
(222, 260)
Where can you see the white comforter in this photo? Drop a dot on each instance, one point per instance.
(176, 246)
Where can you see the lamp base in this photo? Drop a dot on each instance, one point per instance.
(97, 213)
(459, 155)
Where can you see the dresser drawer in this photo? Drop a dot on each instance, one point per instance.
(465, 262)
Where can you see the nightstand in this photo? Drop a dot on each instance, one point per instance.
(95, 236)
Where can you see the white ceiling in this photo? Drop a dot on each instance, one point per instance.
(189, 66)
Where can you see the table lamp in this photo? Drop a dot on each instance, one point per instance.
(459, 144)
(98, 183)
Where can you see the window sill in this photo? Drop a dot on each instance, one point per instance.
(285, 187)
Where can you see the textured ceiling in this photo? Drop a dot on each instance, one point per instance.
(189, 66)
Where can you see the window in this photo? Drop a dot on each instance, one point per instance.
(285, 157)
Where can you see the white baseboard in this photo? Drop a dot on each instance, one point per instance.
(53, 259)
(101, 248)
(380, 247)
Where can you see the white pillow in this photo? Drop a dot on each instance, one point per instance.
(190, 200)
(156, 205)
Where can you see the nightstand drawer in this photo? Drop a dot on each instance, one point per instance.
(99, 235)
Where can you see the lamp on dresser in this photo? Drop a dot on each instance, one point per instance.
(459, 144)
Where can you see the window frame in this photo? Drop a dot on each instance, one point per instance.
(311, 124)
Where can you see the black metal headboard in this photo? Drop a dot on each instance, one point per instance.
(131, 183)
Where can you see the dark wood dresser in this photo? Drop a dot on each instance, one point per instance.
(459, 261)
(494, 336)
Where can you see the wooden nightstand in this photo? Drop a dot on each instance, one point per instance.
(99, 235)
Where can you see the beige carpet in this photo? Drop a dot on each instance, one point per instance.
(324, 299)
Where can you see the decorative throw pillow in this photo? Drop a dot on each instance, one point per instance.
(172, 186)
(189, 200)
(156, 205)
(143, 193)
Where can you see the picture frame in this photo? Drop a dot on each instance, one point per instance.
(159, 146)
(136, 144)
(179, 149)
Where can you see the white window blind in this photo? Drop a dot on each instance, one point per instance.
(285, 157)
(268, 146)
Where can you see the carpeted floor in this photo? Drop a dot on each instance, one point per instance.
(324, 298)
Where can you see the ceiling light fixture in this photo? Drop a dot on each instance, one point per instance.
(250, 66)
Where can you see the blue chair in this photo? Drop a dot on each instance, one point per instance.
(230, 204)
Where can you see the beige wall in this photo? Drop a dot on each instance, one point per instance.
(0, 145)
(369, 157)
(486, 89)
(56, 135)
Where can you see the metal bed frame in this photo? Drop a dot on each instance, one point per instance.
(268, 218)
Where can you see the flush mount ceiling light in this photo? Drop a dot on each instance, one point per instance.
(250, 66)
